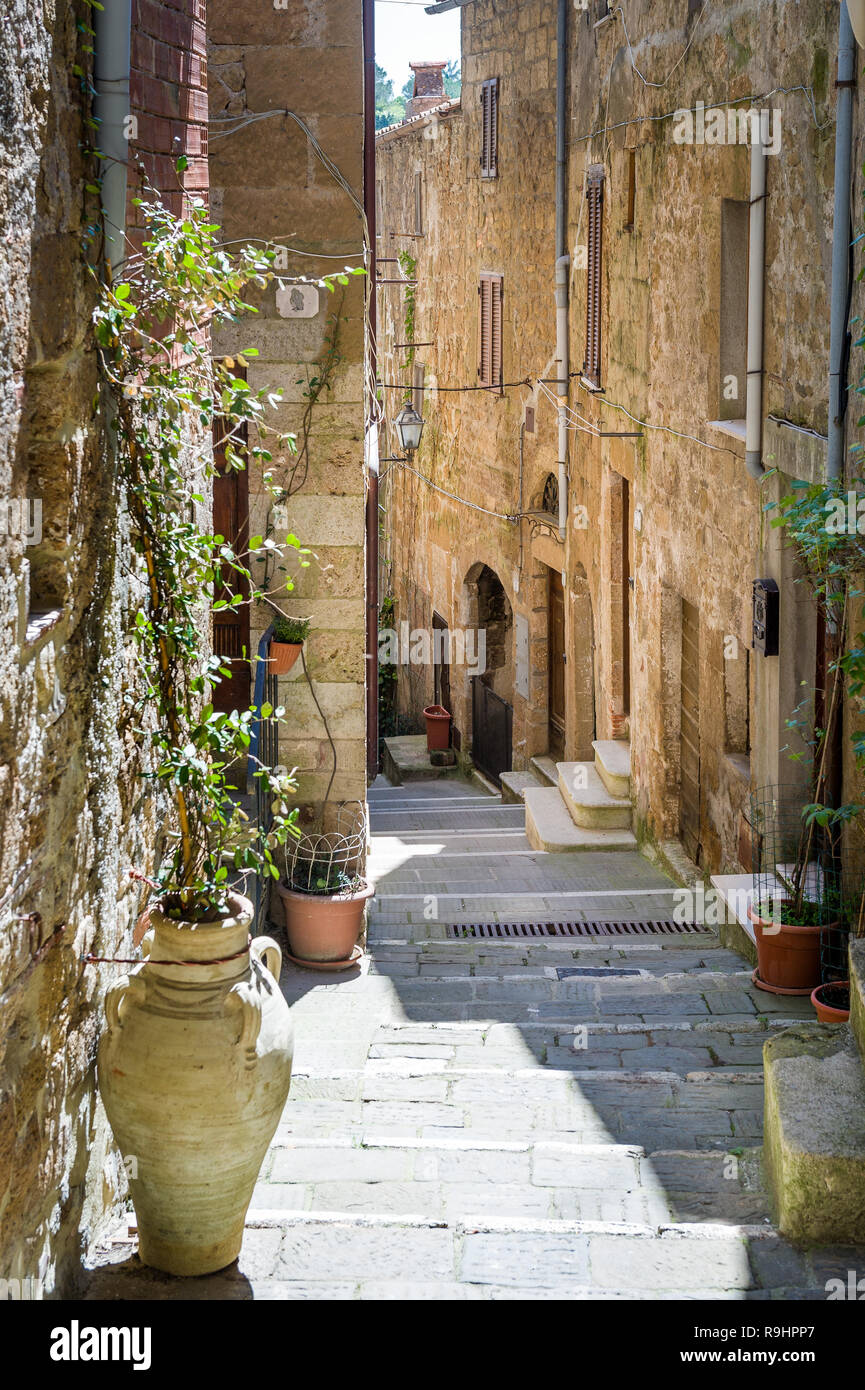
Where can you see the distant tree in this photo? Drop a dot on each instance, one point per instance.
(389, 108)
(453, 78)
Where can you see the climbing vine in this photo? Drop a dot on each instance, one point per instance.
(408, 266)
(169, 402)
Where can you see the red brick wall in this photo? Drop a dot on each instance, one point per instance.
(168, 91)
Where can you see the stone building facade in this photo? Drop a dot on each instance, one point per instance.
(269, 181)
(637, 623)
(74, 816)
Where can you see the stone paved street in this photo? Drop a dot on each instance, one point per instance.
(497, 1118)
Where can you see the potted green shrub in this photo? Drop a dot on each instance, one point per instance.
(324, 893)
(289, 635)
(194, 1063)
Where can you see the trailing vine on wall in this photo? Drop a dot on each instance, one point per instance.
(408, 266)
(166, 393)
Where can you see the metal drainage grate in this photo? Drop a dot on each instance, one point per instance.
(511, 929)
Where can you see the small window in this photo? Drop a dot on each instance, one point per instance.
(631, 194)
(550, 499)
(733, 346)
(418, 204)
(594, 216)
(490, 294)
(417, 391)
(489, 128)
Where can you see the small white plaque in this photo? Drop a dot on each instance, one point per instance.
(297, 302)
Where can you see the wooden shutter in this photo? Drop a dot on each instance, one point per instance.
(595, 217)
(489, 128)
(490, 295)
(418, 204)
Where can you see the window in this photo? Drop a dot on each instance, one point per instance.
(490, 294)
(733, 346)
(594, 215)
(631, 166)
(418, 204)
(418, 373)
(489, 128)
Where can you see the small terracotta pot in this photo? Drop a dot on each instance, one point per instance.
(323, 926)
(788, 956)
(282, 656)
(438, 728)
(829, 1013)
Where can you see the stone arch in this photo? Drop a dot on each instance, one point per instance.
(488, 611)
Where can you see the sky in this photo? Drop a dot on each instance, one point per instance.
(403, 33)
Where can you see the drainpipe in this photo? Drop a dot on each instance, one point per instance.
(371, 440)
(756, 279)
(841, 245)
(563, 260)
(113, 28)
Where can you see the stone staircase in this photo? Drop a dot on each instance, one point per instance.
(588, 807)
(498, 1117)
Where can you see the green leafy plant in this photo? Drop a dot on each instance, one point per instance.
(170, 403)
(823, 529)
(290, 630)
(408, 266)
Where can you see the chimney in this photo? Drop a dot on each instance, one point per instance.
(429, 88)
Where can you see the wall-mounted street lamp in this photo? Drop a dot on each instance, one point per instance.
(409, 427)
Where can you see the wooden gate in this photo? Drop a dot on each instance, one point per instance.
(492, 726)
(556, 666)
(689, 803)
(231, 625)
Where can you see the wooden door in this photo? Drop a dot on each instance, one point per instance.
(441, 663)
(556, 661)
(231, 625)
(689, 813)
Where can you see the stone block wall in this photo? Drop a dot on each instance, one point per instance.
(703, 535)
(267, 182)
(74, 814)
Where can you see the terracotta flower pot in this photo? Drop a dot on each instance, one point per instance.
(194, 1066)
(788, 956)
(281, 656)
(323, 927)
(830, 1013)
(438, 728)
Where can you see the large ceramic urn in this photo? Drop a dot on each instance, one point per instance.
(194, 1069)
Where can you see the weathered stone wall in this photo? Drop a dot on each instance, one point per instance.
(74, 816)
(267, 182)
(703, 536)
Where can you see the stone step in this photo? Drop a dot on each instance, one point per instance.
(613, 763)
(815, 1132)
(450, 1178)
(344, 1255)
(514, 785)
(546, 770)
(550, 827)
(588, 801)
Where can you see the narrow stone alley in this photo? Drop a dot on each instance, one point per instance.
(474, 1116)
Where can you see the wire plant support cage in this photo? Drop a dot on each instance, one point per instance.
(330, 863)
(806, 872)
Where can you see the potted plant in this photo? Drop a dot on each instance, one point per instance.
(832, 1001)
(324, 894)
(194, 1063)
(438, 728)
(289, 635)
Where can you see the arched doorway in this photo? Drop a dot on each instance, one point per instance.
(489, 613)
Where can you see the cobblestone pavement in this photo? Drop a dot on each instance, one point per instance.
(554, 1117)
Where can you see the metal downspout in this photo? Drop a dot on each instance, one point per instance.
(371, 444)
(562, 258)
(113, 29)
(841, 245)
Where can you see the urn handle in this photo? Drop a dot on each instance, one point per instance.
(267, 950)
(127, 984)
(241, 997)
